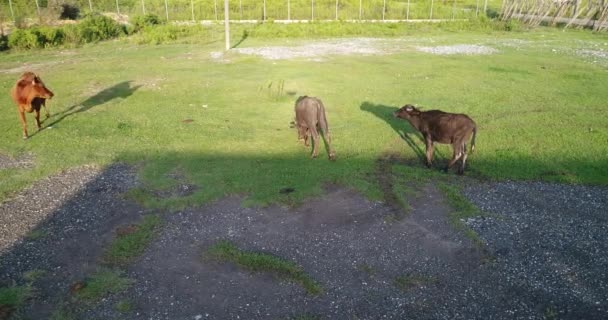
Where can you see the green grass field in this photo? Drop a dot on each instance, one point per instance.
(541, 110)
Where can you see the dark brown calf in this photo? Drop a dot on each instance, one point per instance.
(30, 94)
(442, 127)
(310, 117)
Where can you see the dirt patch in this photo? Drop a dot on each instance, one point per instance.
(546, 244)
(317, 49)
(29, 67)
(341, 240)
(60, 226)
(22, 162)
(466, 49)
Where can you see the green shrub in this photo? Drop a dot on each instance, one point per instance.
(24, 39)
(50, 36)
(36, 37)
(167, 33)
(140, 22)
(96, 27)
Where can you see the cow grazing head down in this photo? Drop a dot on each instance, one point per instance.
(29, 94)
(310, 120)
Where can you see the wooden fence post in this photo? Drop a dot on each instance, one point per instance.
(10, 5)
(336, 9)
(191, 8)
(166, 9)
(383, 9)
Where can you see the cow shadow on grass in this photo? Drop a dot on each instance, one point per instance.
(120, 90)
(407, 133)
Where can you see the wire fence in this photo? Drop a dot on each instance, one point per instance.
(263, 10)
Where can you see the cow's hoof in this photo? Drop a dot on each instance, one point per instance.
(24, 137)
(332, 157)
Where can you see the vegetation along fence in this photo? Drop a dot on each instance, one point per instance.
(261, 10)
(584, 13)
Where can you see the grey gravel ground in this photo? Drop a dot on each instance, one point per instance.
(550, 243)
(73, 216)
(544, 256)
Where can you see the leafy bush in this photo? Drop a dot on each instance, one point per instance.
(24, 39)
(140, 22)
(69, 12)
(96, 27)
(169, 33)
(36, 37)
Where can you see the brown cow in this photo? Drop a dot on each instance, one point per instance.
(30, 94)
(310, 117)
(442, 127)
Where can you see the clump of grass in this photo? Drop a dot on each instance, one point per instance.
(462, 210)
(128, 245)
(407, 282)
(124, 306)
(263, 262)
(33, 275)
(367, 269)
(36, 234)
(14, 297)
(102, 283)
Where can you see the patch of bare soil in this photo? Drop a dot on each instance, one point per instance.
(342, 241)
(543, 255)
(21, 162)
(60, 227)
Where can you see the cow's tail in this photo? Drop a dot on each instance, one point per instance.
(473, 139)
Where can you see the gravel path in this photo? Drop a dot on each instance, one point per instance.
(73, 216)
(550, 243)
(544, 256)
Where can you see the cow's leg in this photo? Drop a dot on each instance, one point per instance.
(46, 111)
(327, 138)
(23, 123)
(315, 141)
(37, 116)
(304, 135)
(429, 151)
(457, 155)
(464, 159)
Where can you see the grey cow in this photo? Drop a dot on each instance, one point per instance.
(310, 117)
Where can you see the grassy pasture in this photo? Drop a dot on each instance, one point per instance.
(540, 108)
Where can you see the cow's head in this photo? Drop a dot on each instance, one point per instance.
(406, 112)
(39, 89)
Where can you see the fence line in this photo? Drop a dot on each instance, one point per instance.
(343, 10)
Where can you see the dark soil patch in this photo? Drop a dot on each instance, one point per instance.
(330, 237)
(547, 244)
(78, 212)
